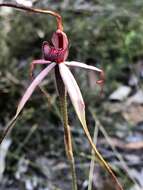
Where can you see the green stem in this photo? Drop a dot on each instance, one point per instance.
(92, 163)
(67, 133)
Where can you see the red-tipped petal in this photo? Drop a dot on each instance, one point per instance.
(90, 67)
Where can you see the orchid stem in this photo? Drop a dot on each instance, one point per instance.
(36, 10)
(67, 132)
(68, 142)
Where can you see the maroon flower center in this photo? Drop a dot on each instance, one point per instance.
(55, 55)
(58, 52)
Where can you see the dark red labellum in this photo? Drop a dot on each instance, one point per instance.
(58, 52)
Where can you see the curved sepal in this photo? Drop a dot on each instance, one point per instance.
(26, 97)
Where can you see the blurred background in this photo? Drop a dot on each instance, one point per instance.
(104, 33)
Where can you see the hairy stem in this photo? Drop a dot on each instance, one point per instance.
(36, 10)
(67, 133)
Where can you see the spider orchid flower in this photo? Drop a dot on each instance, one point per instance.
(55, 54)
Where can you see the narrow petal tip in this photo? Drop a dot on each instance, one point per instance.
(102, 78)
(101, 81)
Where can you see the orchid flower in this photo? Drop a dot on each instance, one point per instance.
(55, 56)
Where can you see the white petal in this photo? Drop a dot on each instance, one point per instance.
(32, 87)
(73, 91)
(26, 96)
(82, 65)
